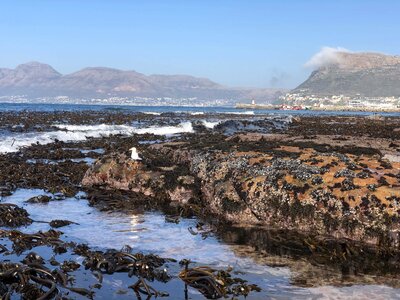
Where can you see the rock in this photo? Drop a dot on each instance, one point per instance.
(392, 158)
(265, 125)
(187, 180)
(181, 195)
(121, 173)
(39, 199)
(318, 193)
(60, 223)
(339, 191)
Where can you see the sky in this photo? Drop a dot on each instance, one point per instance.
(244, 43)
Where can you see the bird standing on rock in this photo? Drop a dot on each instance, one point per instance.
(134, 154)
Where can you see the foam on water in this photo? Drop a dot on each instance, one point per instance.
(247, 112)
(197, 113)
(87, 160)
(13, 142)
(166, 130)
(210, 124)
(152, 113)
(355, 292)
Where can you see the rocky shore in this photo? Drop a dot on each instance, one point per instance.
(337, 177)
(317, 194)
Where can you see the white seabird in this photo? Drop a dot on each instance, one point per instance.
(134, 154)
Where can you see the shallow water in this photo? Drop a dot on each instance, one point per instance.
(149, 232)
(87, 160)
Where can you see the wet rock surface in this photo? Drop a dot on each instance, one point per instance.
(344, 189)
(39, 199)
(347, 192)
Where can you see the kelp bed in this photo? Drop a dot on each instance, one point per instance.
(71, 266)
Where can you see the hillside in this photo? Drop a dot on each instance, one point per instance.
(366, 74)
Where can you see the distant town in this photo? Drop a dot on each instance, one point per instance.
(305, 100)
(134, 101)
(340, 100)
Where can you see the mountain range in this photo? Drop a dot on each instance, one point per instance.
(36, 79)
(351, 74)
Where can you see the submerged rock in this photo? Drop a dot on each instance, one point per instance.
(60, 223)
(39, 199)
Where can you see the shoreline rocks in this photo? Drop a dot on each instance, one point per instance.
(340, 191)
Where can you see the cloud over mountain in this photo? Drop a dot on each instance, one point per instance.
(326, 56)
(350, 73)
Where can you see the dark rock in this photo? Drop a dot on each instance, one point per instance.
(60, 223)
(39, 199)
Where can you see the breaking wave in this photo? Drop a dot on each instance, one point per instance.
(209, 124)
(151, 113)
(70, 133)
(247, 112)
(197, 113)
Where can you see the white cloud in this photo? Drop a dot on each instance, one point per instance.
(326, 56)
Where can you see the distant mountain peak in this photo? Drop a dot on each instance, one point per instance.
(41, 80)
(37, 68)
(364, 73)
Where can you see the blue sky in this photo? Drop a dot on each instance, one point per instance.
(236, 43)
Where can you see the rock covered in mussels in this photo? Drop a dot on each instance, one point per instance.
(157, 181)
(342, 191)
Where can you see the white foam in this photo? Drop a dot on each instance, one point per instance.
(209, 124)
(14, 142)
(196, 113)
(93, 129)
(360, 292)
(247, 112)
(152, 113)
(166, 130)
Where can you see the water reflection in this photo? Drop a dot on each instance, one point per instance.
(313, 261)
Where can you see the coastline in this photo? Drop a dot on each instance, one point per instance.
(327, 108)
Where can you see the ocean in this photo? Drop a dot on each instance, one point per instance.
(172, 109)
